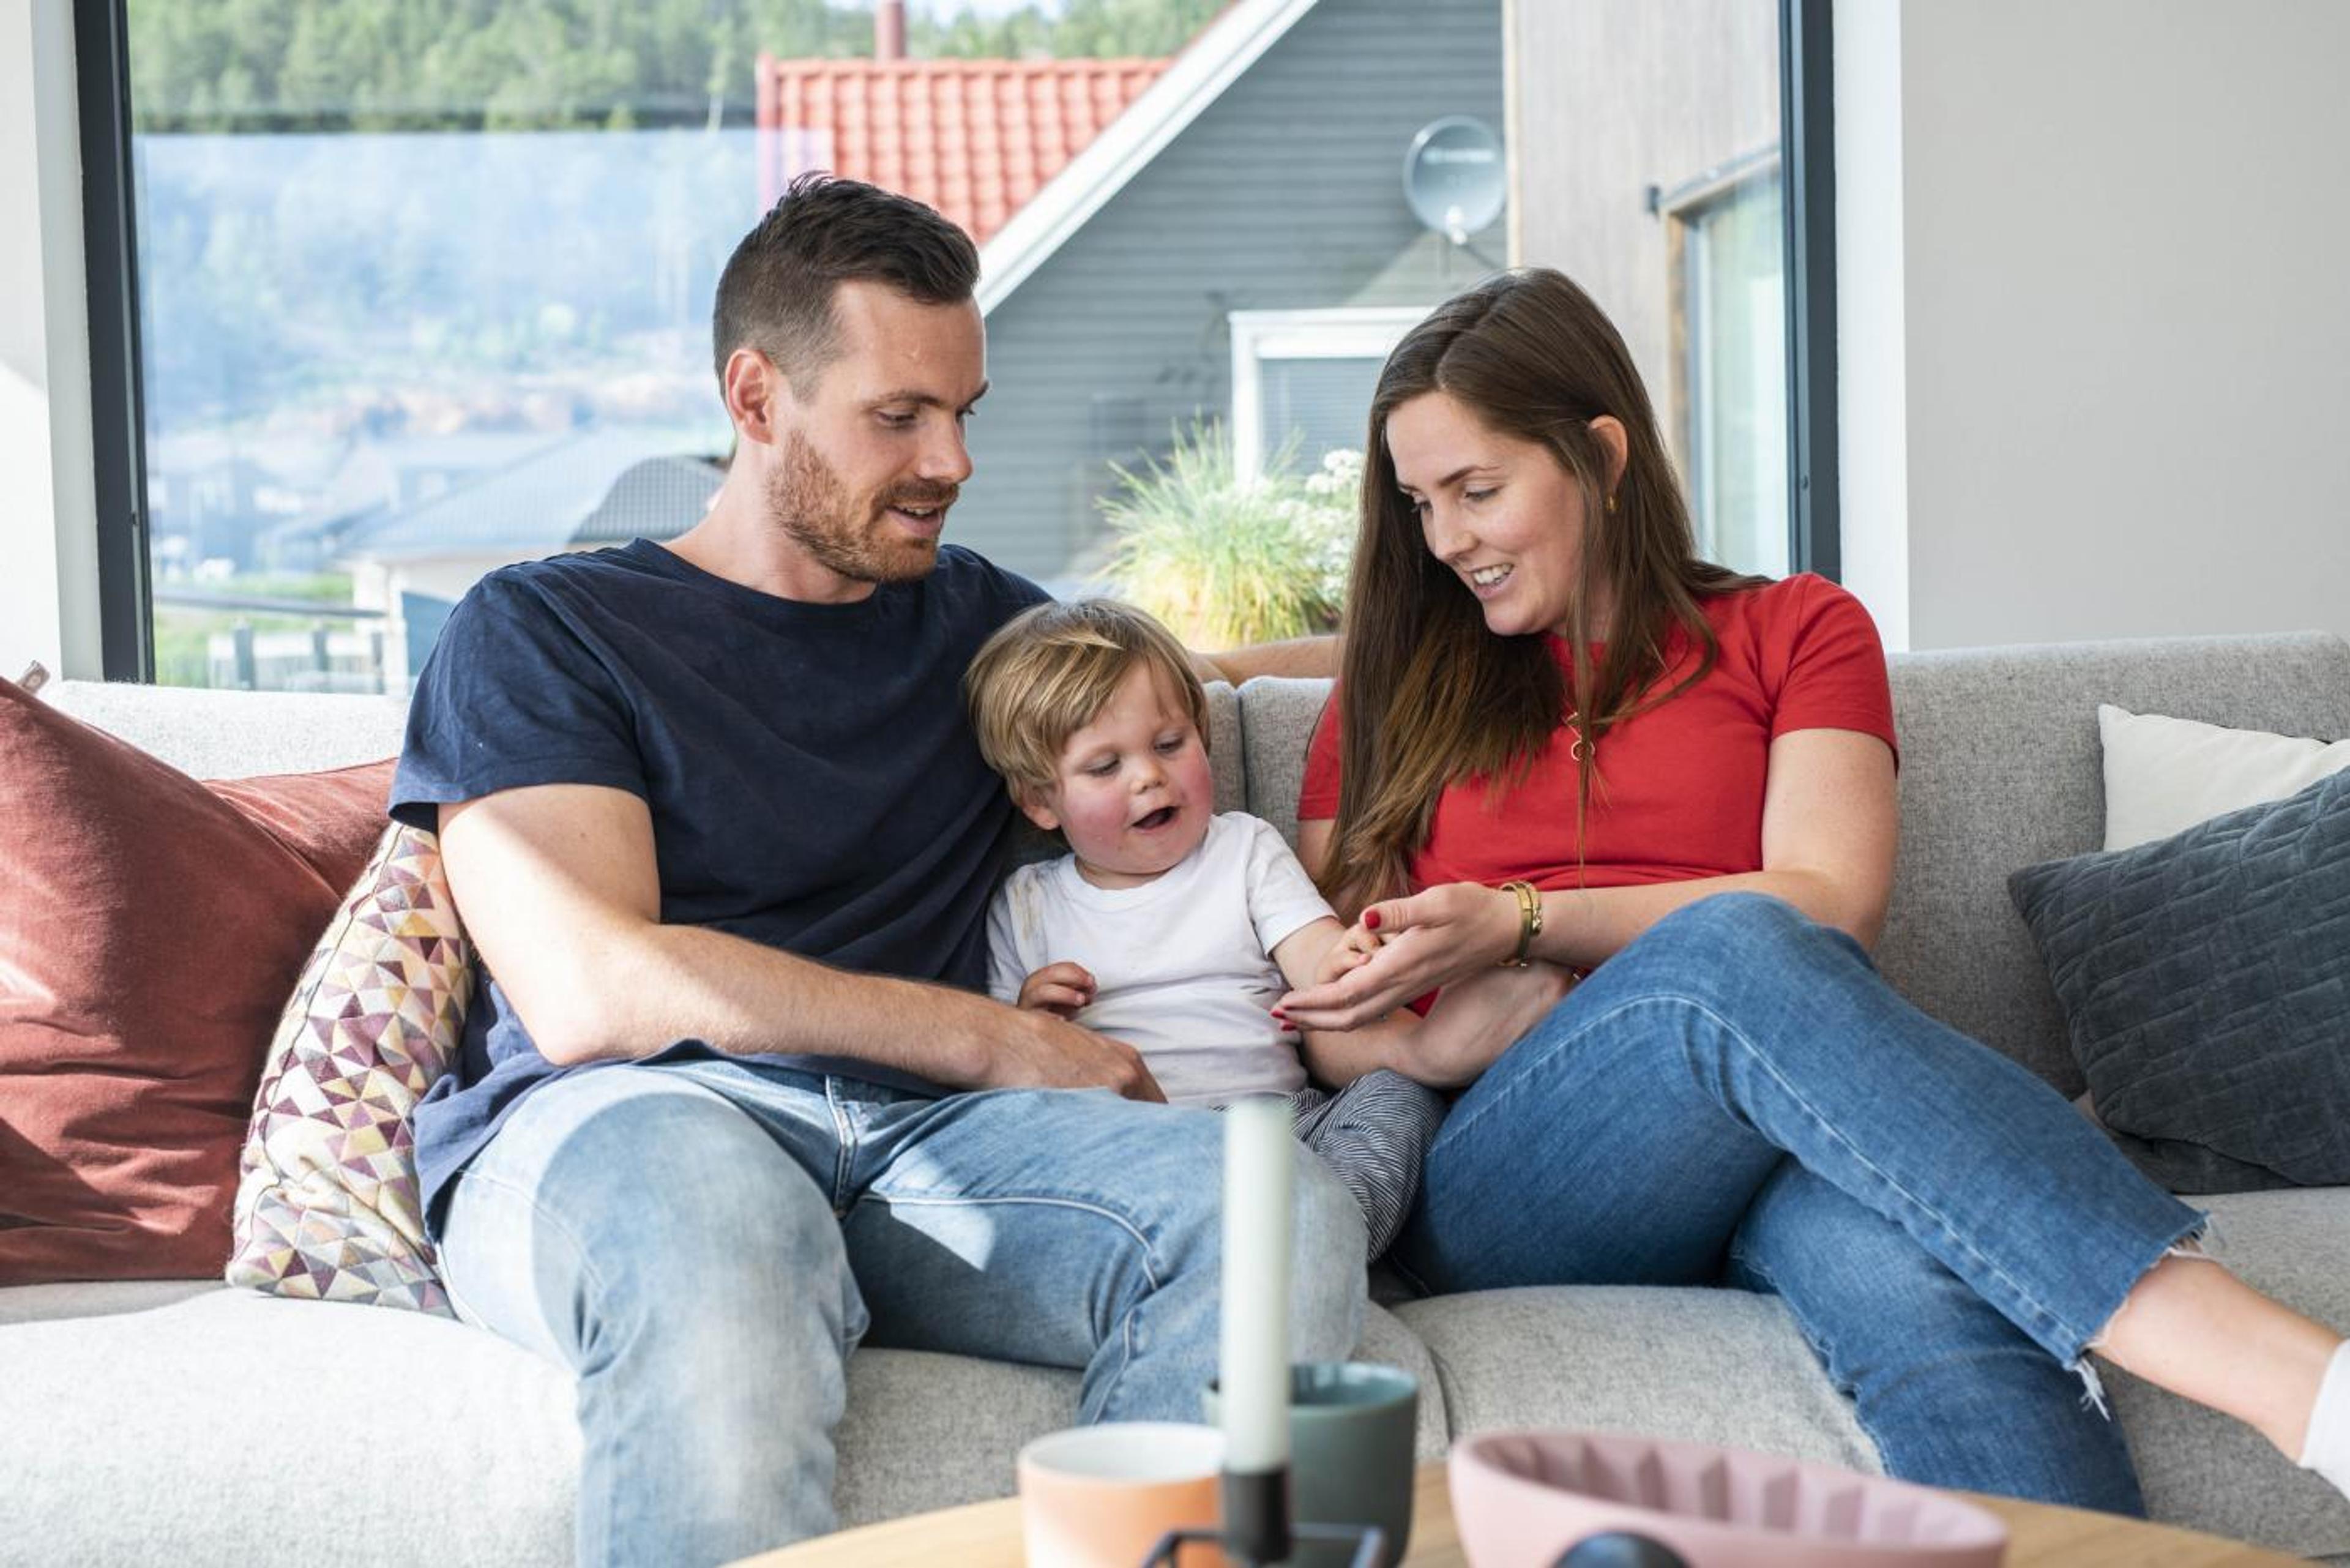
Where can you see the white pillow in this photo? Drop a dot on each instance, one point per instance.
(2165, 774)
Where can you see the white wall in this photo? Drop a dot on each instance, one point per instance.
(49, 540)
(1873, 454)
(2122, 358)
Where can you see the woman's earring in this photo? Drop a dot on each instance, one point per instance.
(1611, 504)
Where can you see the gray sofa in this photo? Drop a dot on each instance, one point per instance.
(188, 1422)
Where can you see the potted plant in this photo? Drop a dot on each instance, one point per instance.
(1226, 558)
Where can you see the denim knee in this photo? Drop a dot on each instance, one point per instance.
(1730, 935)
(1739, 916)
(708, 1213)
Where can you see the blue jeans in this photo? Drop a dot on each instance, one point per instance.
(702, 1244)
(1737, 1097)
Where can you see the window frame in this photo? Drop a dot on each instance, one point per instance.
(1807, 187)
(117, 412)
(102, 71)
(1338, 332)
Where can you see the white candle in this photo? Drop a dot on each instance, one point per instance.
(1258, 1152)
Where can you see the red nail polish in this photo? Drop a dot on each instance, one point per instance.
(1370, 919)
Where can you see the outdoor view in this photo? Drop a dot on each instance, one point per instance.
(425, 287)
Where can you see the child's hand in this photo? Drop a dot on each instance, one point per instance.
(1353, 949)
(1062, 988)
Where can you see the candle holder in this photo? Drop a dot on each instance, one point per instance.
(1257, 1532)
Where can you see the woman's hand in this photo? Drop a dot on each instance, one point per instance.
(1425, 942)
(1064, 990)
(1350, 953)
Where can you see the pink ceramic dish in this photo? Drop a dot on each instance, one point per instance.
(1522, 1499)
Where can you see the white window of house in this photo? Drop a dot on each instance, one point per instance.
(1302, 380)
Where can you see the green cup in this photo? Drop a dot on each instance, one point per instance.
(1353, 1432)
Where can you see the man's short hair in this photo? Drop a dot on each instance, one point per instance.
(776, 293)
(1048, 674)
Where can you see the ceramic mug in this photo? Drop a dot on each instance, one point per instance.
(1100, 1497)
(1353, 1432)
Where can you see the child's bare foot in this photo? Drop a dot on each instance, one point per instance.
(1477, 1018)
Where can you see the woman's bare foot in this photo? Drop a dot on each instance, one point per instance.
(1477, 1018)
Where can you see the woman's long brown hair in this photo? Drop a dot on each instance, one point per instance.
(1428, 696)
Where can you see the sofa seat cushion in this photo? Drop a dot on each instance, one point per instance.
(233, 1427)
(927, 1431)
(156, 1420)
(1710, 1366)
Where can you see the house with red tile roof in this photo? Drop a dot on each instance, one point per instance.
(975, 139)
(1224, 234)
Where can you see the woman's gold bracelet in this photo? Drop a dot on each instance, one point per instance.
(1529, 921)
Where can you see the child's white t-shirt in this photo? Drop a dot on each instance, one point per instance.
(1183, 965)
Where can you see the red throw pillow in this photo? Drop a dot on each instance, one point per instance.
(150, 929)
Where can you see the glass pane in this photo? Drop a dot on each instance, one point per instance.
(1657, 190)
(1737, 442)
(426, 288)
(1317, 404)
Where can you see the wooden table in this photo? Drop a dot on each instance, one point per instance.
(987, 1535)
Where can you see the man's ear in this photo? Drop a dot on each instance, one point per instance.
(756, 395)
(1035, 805)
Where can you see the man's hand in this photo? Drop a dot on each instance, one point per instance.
(1034, 1050)
(1064, 990)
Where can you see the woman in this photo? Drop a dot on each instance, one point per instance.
(1728, 1093)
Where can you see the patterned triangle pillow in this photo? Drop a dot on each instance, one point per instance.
(327, 1203)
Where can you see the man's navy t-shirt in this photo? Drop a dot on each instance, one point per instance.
(812, 778)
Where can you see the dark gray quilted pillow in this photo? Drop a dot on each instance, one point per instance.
(2205, 981)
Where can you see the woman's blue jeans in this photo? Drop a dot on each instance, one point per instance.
(1738, 1098)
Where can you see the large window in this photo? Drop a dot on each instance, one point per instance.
(414, 290)
(1730, 300)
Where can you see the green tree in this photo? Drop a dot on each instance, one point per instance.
(429, 64)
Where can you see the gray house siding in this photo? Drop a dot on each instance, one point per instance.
(1286, 194)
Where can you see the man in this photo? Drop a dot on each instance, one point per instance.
(716, 825)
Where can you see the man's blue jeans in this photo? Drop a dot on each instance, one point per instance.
(702, 1244)
(1737, 1097)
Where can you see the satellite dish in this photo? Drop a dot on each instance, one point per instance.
(1453, 177)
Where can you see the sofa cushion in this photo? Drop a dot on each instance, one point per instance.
(233, 1427)
(2205, 980)
(2164, 775)
(186, 1406)
(1706, 1366)
(221, 734)
(151, 929)
(2000, 768)
(1277, 718)
(328, 1204)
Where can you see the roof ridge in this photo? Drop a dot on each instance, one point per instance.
(974, 138)
(1069, 65)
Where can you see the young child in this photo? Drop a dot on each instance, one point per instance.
(1170, 926)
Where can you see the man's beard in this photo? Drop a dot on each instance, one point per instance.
(847, 536)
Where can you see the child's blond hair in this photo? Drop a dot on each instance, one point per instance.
(1046, 674)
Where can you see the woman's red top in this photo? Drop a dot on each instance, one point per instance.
(1678, 790)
